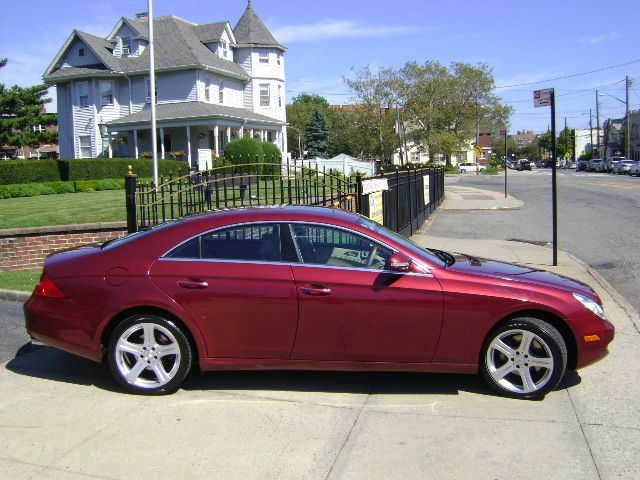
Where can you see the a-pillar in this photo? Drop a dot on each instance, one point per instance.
(189, 145)
(136, 152)
(216, 140)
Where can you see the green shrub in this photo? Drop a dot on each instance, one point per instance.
(451, 169)
(490, 170)
(244, 151)
(272, 156)
(28, 171)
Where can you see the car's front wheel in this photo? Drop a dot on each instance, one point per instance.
(524, 358)
(149, 354)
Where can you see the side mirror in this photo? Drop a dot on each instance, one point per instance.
(399, 263)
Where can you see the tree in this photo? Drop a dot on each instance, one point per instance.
(316, 134)
(497, 147)
(22, 109)
(564, 144)
(298, 113)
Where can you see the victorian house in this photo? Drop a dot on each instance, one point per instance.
(213, 83)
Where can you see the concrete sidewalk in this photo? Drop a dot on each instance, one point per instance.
(63, 417)
(467, 198)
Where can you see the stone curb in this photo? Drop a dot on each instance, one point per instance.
(14, 295)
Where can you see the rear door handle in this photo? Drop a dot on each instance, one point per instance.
(316, 291)
(192, 284)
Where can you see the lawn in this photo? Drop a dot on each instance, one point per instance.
(63, 209)
(24, 280)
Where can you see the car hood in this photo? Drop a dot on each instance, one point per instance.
(519, 273)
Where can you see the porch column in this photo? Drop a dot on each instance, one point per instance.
(262, 137)
(135, 143)
(283, 135)
(109, 149)
(251, 132)
(241, 132)
(189, 145)
(216, 140)
(228, 135)
(162, 143)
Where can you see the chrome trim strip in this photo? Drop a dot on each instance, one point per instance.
(221, 260)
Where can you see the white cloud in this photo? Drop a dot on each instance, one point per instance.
(605, 37)
(332, 29)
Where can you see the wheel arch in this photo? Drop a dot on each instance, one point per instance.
(554, 320)
(145, 309)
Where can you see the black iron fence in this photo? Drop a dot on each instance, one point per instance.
(405, 200)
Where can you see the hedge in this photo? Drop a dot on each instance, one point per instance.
(51, 188)
(32, 171)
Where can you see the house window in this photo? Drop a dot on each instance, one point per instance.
(83, 94)
(280, 96)
(106, 92)
(279, 59)
(126, 46)
(207, 95)
(263, 57)
(264, 94)
(221, 93)
(81, 52)
(462, 157)
(224, 49)
(84, 144)
(148, 89)
(415, 157)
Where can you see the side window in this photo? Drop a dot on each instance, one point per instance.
(254, 242)
(322, 245)
(190, 249)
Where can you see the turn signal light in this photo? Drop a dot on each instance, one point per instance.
(46, 288)
(591, 338)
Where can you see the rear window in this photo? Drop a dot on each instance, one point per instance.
(118, 242)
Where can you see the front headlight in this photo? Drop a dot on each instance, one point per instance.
(592, 305)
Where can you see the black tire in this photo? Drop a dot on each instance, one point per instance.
(546, 347)
(172, 367)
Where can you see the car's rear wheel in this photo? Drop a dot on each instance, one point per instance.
(524, 358)
(149, 354)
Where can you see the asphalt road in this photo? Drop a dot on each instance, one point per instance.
(597, 219)
(12, 333)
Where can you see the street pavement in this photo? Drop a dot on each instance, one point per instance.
(63, 417)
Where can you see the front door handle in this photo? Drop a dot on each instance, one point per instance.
(316, 291)
(192, 284)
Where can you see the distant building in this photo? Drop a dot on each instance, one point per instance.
(523, 137)
(634, 121)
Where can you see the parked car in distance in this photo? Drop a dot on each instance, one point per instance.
(309, 288)
(622, 167)
(595, 164)
(611, 162)
(582, 165)
(634, 169)
(512, 164)
(523, 164)
(470, 167)
(570, 164)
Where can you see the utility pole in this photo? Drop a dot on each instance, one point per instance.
(590, 135)
(627, 128)
(477, 136)
(152, 94)
(554, 191)
(598, 122)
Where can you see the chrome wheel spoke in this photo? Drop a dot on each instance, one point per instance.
(503, 371)
(128, 347)
(541, 362)
(161, 374)
(149, 334)
(525, 341)
(164, 350)
(528, 385)
(503, 348)
(133, 374)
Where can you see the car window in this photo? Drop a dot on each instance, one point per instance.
(260, 242)
(322, 245)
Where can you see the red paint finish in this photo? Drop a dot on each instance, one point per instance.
(287, 315)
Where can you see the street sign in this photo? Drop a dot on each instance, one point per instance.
(478, 149)
(542, 98)
(503, 133)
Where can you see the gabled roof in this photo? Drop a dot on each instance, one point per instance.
(193, 111)
(210, 32)
(177, 46)
(251, 32)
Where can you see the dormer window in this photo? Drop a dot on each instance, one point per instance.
(81, 52)
(224, 45)
(263, 57)
(126, 46)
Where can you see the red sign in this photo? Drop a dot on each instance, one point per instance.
(503, 133)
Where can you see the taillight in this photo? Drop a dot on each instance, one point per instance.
(46, 288)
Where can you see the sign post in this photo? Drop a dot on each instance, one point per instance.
(504, 132)
(545, 98)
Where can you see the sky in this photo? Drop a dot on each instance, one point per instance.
(524, 42)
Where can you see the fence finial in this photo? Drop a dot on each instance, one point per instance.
(130, 170)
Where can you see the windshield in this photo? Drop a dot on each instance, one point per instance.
(436, 257)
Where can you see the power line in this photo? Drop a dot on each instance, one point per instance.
(569, 76)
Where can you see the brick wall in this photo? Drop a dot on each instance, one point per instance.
(22, 248)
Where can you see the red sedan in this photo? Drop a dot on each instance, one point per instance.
(309, 288)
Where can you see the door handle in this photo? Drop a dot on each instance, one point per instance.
(316, 291)
(192, 284)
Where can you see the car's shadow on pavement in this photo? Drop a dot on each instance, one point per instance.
(53, 364)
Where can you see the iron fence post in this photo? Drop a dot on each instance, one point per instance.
(130, 191)
(359, 194)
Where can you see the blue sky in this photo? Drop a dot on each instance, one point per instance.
(330, 39)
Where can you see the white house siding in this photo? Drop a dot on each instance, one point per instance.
(138, 93)
(83, 119)
(122, 93)
(233, 89)
(72, 59)
(179, 86)
(242, 56)
(124, 31)
(270, 73)
(65, 142)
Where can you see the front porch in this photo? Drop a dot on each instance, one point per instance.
(192, 138)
